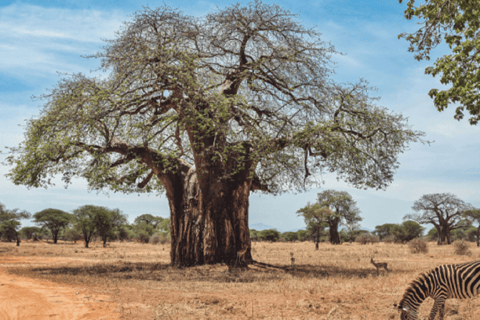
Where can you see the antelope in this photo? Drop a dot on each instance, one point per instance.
(379, 265)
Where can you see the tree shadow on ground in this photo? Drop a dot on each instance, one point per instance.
(208, 273)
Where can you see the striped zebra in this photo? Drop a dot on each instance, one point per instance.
(457, 281)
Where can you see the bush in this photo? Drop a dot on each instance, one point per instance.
(289, 236)
(365, 238)
(269, 235)
(418, 245)
(461, 248)
(388, 239)
(158, 238)
(142, 237)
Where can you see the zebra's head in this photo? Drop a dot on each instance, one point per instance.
(406, 313)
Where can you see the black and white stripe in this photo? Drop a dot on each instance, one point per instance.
(457, 281)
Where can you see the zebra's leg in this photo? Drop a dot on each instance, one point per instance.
(439, 305)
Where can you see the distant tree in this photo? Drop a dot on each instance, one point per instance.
(124, 232)
(303, 235)
(350, 232)
(443, 210)
(474, 216)
(149, 219)
(107, 221)
(289, 236)
(209, 109)
(85, 221)
(343, 209)
(458, 23)
(72, 233)
(165, 227)
(407, 231)
(9, 222)
(253, 235)
(30, 232)
(315, 218)
(269, 235)
(385, 230)
(143, 231)
(54, 220)
(432, 234)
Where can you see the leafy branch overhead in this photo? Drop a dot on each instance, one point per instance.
(457, 23)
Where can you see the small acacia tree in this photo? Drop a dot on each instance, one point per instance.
(9, 222)
(208, 110)
(107, 222)
(443, 210)
(84, 220)
(53, 220)
(315, 218)
(30, 232)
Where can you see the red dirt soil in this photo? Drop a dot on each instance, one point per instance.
(30, 299)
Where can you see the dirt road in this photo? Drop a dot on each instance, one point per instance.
(30, 299)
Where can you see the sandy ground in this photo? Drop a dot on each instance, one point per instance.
(30, 299)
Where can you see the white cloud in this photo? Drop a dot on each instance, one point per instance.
(42, 41)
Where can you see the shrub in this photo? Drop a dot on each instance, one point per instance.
(418, 245)
(365, 238)
(388, 239)
(269, 235)
(461, 248)
(142, 237)
(158, 238)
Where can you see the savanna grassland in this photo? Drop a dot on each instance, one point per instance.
(335, 282)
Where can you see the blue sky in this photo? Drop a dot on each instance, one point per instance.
(39, 39)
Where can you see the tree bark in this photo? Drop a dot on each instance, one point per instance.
(441, 236)
(209, 219)
(333, 229)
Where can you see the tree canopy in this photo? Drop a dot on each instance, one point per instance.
(248, 83)
(457, 23)
(149, 219)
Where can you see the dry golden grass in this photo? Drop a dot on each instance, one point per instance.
(335, 282)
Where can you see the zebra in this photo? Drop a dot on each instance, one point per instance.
(458, 281)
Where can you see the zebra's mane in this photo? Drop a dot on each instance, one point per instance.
(411, 288)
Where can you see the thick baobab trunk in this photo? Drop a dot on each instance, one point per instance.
(209, 225)
(334, 236)
(442, 236)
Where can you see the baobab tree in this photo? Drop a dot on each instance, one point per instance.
(208, 110)
(342, 208)
(444, 210)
